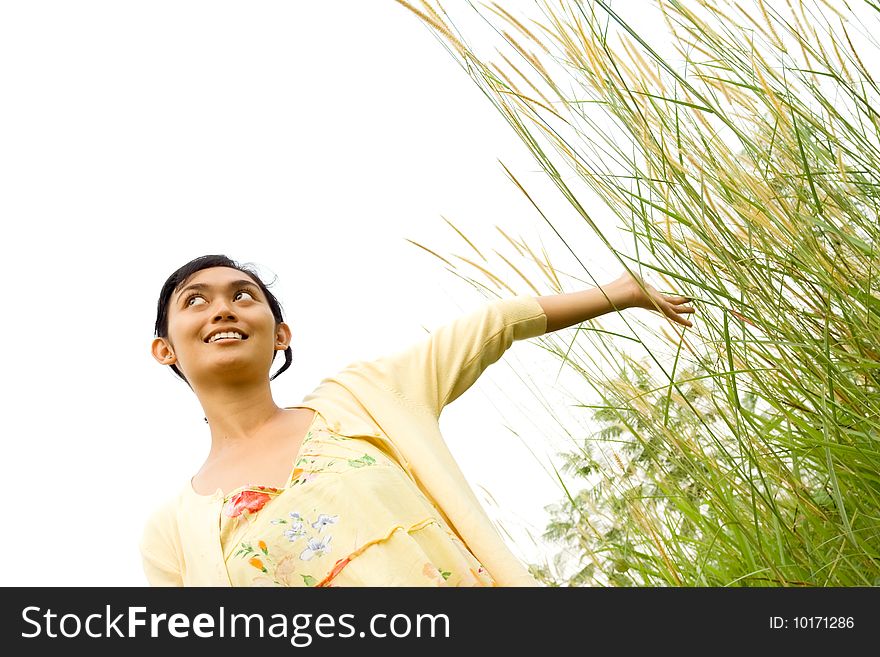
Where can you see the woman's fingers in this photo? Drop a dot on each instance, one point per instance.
(674, 306)
(675, 314)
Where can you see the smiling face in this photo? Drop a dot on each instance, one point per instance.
(220, 326)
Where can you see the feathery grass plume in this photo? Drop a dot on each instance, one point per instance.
(740, 157)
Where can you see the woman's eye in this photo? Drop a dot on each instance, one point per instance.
(192, 300)
(240, 292)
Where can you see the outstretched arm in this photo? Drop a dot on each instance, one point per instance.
(628, 291)
(436, 370)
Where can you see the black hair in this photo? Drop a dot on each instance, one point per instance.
(183, 274)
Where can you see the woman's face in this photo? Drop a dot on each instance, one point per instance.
(220, 326)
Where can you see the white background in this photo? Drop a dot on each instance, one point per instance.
(310, 138)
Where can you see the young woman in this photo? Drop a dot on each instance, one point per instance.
(355, 485)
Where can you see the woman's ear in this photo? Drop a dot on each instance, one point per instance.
(162, 352)
(282, 336)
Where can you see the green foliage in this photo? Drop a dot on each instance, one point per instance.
(744, 168)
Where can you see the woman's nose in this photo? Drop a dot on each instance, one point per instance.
(224, 311)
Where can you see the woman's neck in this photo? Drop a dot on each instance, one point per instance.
(237, 415)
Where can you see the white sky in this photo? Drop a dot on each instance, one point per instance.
(311, 139)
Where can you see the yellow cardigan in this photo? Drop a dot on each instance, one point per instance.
(396, 399)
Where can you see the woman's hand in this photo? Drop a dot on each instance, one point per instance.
(673, 306)
(564, 310)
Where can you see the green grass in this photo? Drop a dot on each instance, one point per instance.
(744, 170)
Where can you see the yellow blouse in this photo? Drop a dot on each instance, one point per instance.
(394, 402)
(348, 515)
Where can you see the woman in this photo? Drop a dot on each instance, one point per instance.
(354, 486)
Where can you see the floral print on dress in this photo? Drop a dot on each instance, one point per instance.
(282, 573)
(294, 527)
(324, 520)
(315, 548)
(435, 574)
(337, 568)
(329, 526)
(310, 465)
(297, 528)
(366, 459)
(254, 556)
(249, 500)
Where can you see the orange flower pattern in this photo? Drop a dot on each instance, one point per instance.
(248, 500)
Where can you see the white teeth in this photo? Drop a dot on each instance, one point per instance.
(226, 334)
